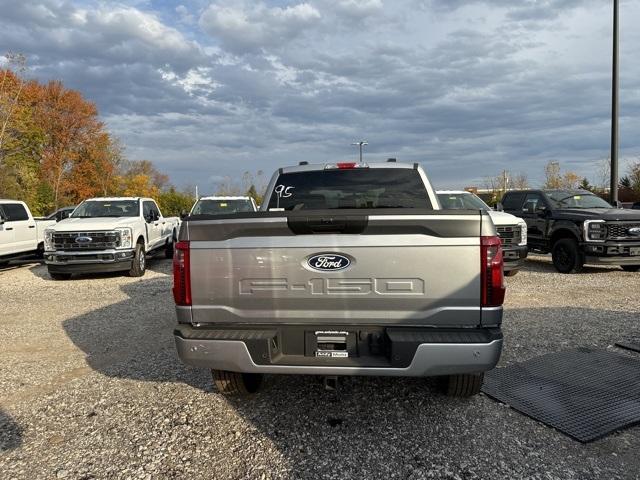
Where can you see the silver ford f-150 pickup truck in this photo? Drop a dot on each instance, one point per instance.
(348, 269)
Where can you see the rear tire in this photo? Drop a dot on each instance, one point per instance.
(168, 249)
(139, 264)
(630, 268)
(567, 257)
(235, 383)
(465, 385)
(40, 251)
(511, 273)
(60, 276)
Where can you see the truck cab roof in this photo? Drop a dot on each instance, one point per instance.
(345, 165)
(103, 199)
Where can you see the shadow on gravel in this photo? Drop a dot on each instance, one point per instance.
(16, 264)
(542, 264)
(133, 338)
(10, 432)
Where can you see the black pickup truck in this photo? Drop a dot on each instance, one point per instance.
(577, 227)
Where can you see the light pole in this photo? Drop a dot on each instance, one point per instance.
(360, 144)
(613, 192)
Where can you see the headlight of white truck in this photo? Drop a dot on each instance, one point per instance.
(126, 237)
(48, 240)
(523, 232)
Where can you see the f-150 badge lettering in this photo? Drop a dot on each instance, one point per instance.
(328, 262)
(281, 287)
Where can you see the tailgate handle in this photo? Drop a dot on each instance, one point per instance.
(304, 224)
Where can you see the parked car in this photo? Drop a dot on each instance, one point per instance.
(21, 235)
(60, 214)
(577, 227)
(219, 205)
(512, 230)
(109, 235)
(349, 269)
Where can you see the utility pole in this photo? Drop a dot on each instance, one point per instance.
(614, 110)
(360, 144)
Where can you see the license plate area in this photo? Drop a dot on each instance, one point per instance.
(331, 344)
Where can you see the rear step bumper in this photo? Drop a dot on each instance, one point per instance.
(409, 352)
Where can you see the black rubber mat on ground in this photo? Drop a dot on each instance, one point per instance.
(630, 343)
(585, 393)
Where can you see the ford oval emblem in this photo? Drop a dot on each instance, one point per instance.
(328, 262)
(635, 231)
(83, 239)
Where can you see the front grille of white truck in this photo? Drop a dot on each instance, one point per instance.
(83, 241)
(509, 234)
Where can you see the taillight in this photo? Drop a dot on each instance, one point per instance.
(181, 274)
(346, 165)
(491, 272)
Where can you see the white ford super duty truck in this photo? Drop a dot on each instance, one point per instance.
(21, 235)
(348, 269)
(109, 235)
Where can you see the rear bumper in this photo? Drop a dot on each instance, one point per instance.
(251, 351)
(514, 257)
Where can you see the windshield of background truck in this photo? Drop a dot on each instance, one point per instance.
(350, 188)
(577, 200)
(217, 207)
(461, 201)
(107, 208)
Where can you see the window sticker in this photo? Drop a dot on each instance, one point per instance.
(283, 191)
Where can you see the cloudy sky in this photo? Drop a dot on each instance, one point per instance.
(208, 89)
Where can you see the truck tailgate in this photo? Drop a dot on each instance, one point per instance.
(409, 270)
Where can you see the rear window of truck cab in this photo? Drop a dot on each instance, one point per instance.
(217, 207)
(350, 188)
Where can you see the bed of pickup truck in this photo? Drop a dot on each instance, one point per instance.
(349, 269)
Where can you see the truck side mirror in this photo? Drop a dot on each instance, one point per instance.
(530, 207)
(183, 214)
(499, 207)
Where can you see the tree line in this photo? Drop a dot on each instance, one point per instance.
(55, 151)
(556, 178)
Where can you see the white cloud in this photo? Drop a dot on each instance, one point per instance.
(358, 8)
(469, 87)
(248, 28)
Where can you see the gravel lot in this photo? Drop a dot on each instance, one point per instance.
(90, 387)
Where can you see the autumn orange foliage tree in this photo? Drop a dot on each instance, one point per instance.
(55, 151)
